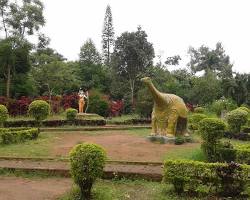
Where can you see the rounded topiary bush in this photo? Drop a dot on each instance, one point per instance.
(199, 110)
(87, 164)
(211, 130)
(39, 109)
(3, 114)
(194, 120)
(236, 118)
(71, 114)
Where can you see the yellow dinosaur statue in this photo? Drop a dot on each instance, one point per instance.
(169, 116)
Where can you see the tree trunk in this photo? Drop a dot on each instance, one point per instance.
(132, 87)
(8, 82)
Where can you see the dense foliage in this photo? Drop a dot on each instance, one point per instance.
(3, 114)
(87, 164)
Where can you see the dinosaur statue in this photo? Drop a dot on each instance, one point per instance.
(169, 116)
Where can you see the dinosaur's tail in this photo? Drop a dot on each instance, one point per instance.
(181, 127)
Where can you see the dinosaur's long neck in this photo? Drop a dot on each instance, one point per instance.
(157, 96)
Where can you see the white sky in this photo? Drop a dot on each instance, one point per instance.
(172, 25)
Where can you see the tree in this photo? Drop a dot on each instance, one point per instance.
(107, 35)
(14, 59)
(91, 73)
(207, 59)
(173, 60)
(18, 19)
(133, 54)
(89, 54)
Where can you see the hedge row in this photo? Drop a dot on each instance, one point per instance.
(218, 178)
(55, 123)
(133, 122)
(16, 135)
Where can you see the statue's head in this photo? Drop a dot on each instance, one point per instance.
(146, 80)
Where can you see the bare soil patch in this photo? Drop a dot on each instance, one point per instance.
(120, 145)
(14, 188)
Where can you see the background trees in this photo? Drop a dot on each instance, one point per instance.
(133, 54)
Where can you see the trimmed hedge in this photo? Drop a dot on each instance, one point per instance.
(220, 178)
(39, 109)
(55, 123)
(16, 135)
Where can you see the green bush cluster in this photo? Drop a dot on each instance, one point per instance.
(221, 105)
(16, 135)
(199, 110)
(243, 154)
(244, 108)
(235, 119)
(98, 105)
(3, 114)
(71, 114)
(220, 178)
(40, 110)
(194, 120)
(211, 131)
(87, 164)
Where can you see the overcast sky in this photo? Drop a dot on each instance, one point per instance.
(172, 25)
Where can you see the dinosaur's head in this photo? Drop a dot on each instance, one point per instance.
(146, 80)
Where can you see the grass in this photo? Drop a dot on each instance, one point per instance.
(126, 189)
(32, 148)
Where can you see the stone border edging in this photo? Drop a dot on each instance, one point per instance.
(100, 128)
(67, 160)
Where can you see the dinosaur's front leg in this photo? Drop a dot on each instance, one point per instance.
(172, 122)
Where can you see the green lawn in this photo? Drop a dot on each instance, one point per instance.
(129, 190)
(31, 148)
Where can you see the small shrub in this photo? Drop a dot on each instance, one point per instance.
(226, 152)
(235, 119)
(194, 120)
(211, 130)
(199, 110)
(179, 140)
(3, 114)
(39, 109)
(71, 114)
(87, 163)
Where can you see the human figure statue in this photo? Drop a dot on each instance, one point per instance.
(82, 97)
(169, 116)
